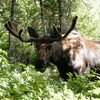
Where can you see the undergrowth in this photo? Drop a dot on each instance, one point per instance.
(29, 84)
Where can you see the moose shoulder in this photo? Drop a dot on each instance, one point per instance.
(70, 53)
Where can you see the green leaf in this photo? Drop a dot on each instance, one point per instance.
(3, 52)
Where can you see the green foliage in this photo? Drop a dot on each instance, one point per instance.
(32, 85)
(28, 84)
(16, 84)
(3, 62)
(24, 53)
(22, 82)
(84, 86)
(26, 12)
(88, 18)
(4, 16)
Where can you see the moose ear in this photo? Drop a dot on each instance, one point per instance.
(32, 32)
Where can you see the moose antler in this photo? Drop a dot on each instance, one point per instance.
(12, 27)
(72, 27)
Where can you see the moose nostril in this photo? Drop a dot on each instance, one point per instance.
(40, 65)
(40, 62)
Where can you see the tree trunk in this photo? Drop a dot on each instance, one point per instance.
(13, 9)
(11, 38)
(62, 17)
(43, 18)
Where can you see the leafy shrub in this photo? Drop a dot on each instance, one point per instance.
(32, 85)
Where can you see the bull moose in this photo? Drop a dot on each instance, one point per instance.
(69, 52)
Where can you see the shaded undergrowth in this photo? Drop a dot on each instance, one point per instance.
(28, 84)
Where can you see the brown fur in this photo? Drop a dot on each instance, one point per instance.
(73, 54)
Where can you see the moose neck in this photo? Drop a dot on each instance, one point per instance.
(56, 53)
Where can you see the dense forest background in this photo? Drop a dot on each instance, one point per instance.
(18, 78)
